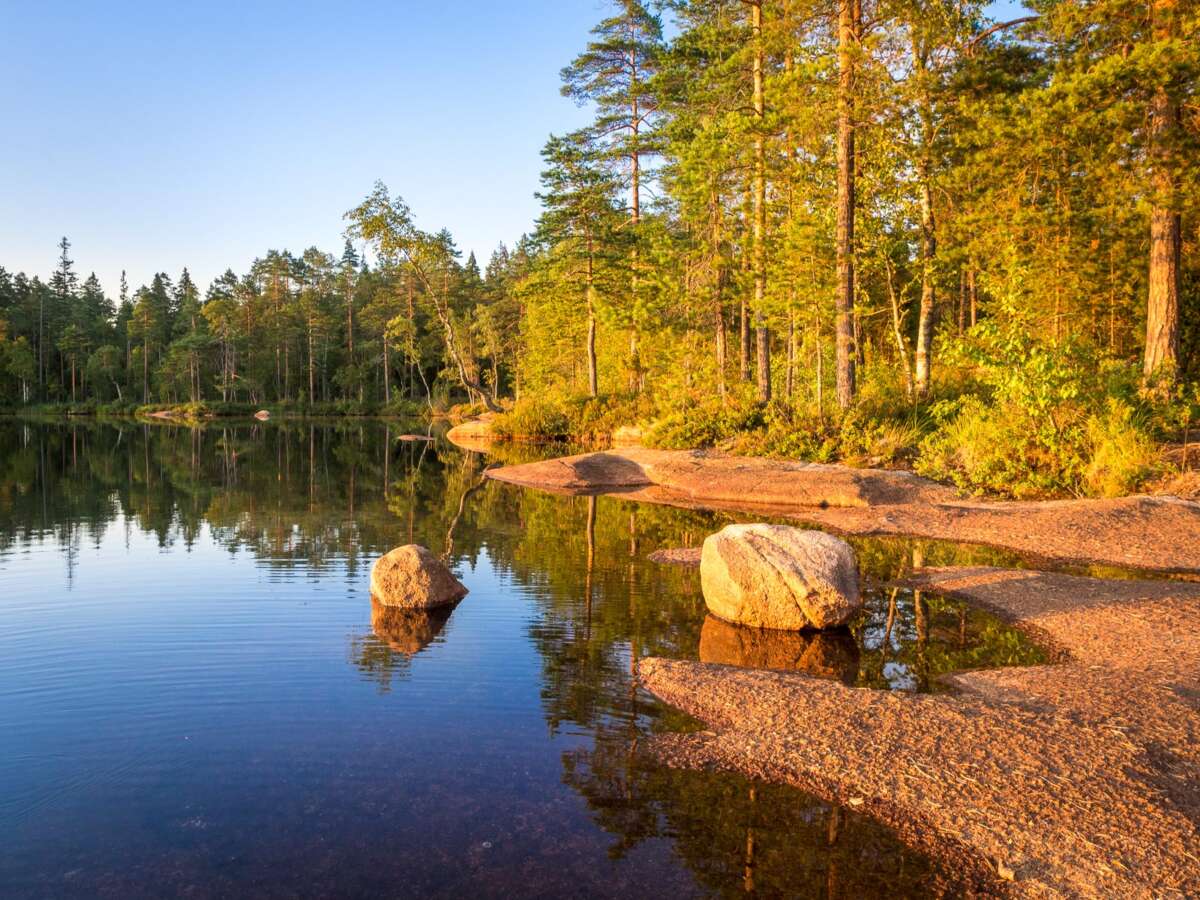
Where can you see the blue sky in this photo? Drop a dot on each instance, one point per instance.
(159, 135)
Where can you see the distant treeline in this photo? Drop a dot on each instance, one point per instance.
(307, 329)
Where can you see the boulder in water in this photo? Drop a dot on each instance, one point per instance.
(262, 415)
(774, 576)
(413, 578)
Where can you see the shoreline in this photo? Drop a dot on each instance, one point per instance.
(1138, 532)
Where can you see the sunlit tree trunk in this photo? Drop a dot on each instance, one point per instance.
(762, 334)
(593, 375)
(1161, 359)
(848, 28)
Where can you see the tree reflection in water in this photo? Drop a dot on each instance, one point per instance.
(321, 494)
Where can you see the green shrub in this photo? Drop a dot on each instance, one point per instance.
(704, 425)
(534, 419)
(1123, 455)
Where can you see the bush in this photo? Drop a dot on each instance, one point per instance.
(704, 425)
(535, 419)
(1123, 455)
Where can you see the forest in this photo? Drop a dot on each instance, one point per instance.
(877, 231)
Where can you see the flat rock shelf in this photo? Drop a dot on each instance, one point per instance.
(1150, 533)
(1080, 778)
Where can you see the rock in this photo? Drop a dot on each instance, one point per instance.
(705, 478)
(627, 436)
(407, 631)
(262, 415)
(414, 437)
(688, 557)
(413, 578)
(774, 576)
(588, 473)
(473, 433)
(825, 654)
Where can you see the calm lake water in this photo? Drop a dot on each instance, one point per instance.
(197, 695)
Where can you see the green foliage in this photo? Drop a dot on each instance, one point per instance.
(1123, 454)
(532, 420)
(704, 425)
(1048, 420)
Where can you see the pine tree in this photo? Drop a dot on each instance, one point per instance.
(615, 73)
(579, 223)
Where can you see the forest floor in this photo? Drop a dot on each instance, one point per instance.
(1159, 533)
(1080, 778)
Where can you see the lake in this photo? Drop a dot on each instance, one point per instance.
(198, 695)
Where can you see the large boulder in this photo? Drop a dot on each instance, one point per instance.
(773, 576)
(413, 578)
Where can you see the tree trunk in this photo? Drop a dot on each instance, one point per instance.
(848, 16)
(791, 354)
(387, 378)
(635, 166)
(763, 360)
(925, 320)
(721, 339)
(928, 287)
(897, 330)
(719, 294)
(312, 390)
(1161, 360)
(744, 339)
(972, 296)
(593, 375)
(442, 311)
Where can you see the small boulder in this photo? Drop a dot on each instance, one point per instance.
(627, 436)
(262, 415)
(413, 578)
(773, 576)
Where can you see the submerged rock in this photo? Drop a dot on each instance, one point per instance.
(413, 578)
(825, 654)
(677, 556)
(774, 576)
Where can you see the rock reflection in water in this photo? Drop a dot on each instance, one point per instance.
(397, 635)
(407, 631)
(825, 654)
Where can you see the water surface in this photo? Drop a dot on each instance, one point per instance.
(197, 694)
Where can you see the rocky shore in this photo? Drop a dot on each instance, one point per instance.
(1079, 779)
(1150, 533)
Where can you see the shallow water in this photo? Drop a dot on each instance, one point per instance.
(198, 695)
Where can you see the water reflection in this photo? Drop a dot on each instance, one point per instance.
(563, 605)
(407, 631)
(824, 654)
(397, 635)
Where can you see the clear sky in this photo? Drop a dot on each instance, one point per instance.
(159, 135)
(163, 135)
